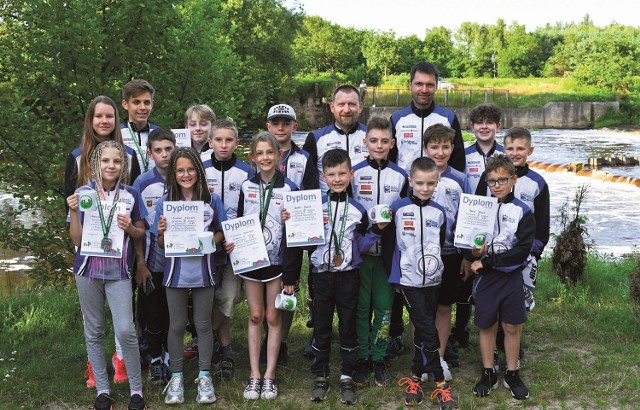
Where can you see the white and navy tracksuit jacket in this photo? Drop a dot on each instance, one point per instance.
(476, 162)
(225, 179)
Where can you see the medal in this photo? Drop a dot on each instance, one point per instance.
(105, 223)
(106, 244)
(338, 257)
(337, 260)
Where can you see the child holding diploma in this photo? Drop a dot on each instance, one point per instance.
(263, 194)
(106, 277)
(186, 182)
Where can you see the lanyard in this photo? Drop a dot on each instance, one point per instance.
(106, 224)
(264, 208)
(143, 156)
(338, 239)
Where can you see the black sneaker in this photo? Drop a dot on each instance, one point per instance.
(308, 350)
(444, 396)
(158, 372)
(382, 374)
(320, 389)
(513, 382)
(310, 323)
(363, 368)
(488, 381)
(136, 402)
(451, 356)
(226, 369)
(348, 393)
(103, 402)
(394, 348)
(283, 354)
(414, 391)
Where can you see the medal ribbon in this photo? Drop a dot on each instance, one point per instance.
(338, 239)
(106, 225)
(264, 208)
(143, 156)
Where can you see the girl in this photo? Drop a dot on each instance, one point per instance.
(263, 194)
(186, 181)
(99, 278)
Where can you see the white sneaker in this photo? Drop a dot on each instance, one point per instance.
(445, 369)
(269, 389)
(174, 390)
(252, 391)
(206, 391)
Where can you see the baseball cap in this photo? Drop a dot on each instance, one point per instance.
(281, 111)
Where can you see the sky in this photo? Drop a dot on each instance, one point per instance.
(407, 17)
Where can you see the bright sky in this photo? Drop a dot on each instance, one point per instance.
(406, 17)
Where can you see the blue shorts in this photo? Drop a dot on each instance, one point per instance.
(450, 279)
(499, 293)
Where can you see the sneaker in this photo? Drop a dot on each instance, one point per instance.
(120, 371)
(136, 402)
(348, 392)
(191, 349)
(174, 390)
(91, 379)
(363, 367)
(206, 390)
(496, 363)
(445, 369)
(226, 368)
(283, 354)
(414, 391)
(443, 394)
(310, 323)
(382, 375)
(103, 402)
(158, 372)
(488, 381)
(269, 389)
(513, 382)
(394, 348)
(252, 391)
(320, 389)
(308, 350)
(451, 356)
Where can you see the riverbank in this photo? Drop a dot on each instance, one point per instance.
(582, 350)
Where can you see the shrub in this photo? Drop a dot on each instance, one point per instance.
(569, 256)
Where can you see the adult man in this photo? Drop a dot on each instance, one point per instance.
(345, 132)
(410, 122)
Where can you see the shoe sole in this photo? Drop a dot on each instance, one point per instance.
(506, 385)
(174, 401)
(495, 386)
(413, 403)
(206, 401)
(323, 398)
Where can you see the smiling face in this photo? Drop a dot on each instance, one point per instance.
(485, 131)
(423, 88)
(200, 129)
(138, 109)
(110, 166)
(282, 128)
(186, 174)
(379, 142)
(338, 177)
(104, 121)
(346, 108)
(265, 157)
(424, 183)
(497, 176)
(518, 150)
(440, 152)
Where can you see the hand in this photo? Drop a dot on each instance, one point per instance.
(162, 225)
(479, 253)
(382, 225)
(476, 266)
(229, 247)
(289, 289)
(124, 222)
(285, 215)
(72, 201)
(142, 273)
(465, 270)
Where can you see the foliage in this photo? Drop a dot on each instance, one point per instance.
(634, 285)
(569, 255)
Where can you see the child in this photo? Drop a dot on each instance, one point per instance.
(151, 185)
(99, 278)
(336, 277)
(416, 273)
(485, 123)
(137, 100)
(186, 181)
(376, 181)
(225, 175)
(498, 289)
(263, 194)
(198, 119)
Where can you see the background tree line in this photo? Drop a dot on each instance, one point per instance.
(238, 56)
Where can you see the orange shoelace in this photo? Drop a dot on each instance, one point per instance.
(412, 386)
(444, 393)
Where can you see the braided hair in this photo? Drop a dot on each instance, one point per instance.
(94, 162)
(201, 189)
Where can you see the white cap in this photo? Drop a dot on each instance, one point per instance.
(281, 111)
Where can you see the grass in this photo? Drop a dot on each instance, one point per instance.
(582, 351)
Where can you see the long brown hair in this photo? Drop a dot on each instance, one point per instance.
(201, 190)
(90, 139)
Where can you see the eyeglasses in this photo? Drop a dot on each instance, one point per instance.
(499, 181)
(183, 171)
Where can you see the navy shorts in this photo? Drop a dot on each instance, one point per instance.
(499, 293)
(450, 279)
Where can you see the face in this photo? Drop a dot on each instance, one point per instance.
(424, 183)
(186, 173)
(379, 142)
(346, 107)
(104, 121)
(518, 150)
(200, 129)
(439, 152)
(498, 176)
(265, 156)
(223, 142)
(139, 108)
(486, 130)
(110, 165)
(423, 87)
(161, 153)
(338, 177)
(282, 128)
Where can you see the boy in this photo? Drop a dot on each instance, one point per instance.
(376, 181)
(416, 273)
(225, 174)
(438, 145)
(153, 302)
(485, 123)
(498, 288)
(336, 277)
(137, 100)
(199, 119)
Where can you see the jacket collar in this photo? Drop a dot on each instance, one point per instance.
(348, 132)
(417, 201)
(222, 165)
(374, 164)
(422, 113)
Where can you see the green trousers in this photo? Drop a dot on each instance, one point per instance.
(376, 296)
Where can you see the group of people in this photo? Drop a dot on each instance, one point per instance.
(367, 271)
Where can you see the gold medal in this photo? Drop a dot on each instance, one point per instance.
(337, 260)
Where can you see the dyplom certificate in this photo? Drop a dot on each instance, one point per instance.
(476, 219)
(93, 235)
(249, 252)
(185, 221)
(305, 226)
(183, 137)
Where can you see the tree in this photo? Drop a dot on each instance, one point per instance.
(410, 51)
(438, 48)
(380, 50)
(522, 54)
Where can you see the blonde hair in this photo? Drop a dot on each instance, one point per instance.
(94, 162)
